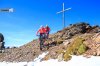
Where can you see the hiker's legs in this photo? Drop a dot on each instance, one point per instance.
(41, 41)
(41, 45)
(47, 35)
(2, 47)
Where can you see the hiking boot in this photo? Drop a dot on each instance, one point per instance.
(40, 48)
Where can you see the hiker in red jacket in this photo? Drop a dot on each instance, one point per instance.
(41, 33)
(47, 29)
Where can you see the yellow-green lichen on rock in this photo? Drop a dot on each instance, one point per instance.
(75, 48)
(82, 49)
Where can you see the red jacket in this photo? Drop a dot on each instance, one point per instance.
(47, 29)
(41, 30)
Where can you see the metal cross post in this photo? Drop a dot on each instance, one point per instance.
(63, 11)
(7, 10)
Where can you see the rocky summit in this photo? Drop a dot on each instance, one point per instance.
(76, 39)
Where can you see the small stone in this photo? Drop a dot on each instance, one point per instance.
(60, 57)
(98, 52)
(88, 56)
(66, 42)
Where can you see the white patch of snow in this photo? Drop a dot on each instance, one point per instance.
(40, 57)
(13, 64)
(75, 61)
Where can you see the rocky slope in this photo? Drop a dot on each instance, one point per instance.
(24, 53)
(77, 39)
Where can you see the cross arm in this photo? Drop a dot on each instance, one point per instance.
(67, 9)
(64, 10)
(59, 12)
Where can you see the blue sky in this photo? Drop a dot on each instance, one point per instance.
(20, 26)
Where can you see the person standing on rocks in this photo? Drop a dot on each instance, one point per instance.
(41, 35)
(47, 29)
(2, 42)
(1, 37)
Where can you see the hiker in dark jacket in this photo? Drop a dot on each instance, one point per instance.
(2, 47)
(1, 37)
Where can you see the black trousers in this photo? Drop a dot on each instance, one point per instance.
(41, 39)
(47, 34)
